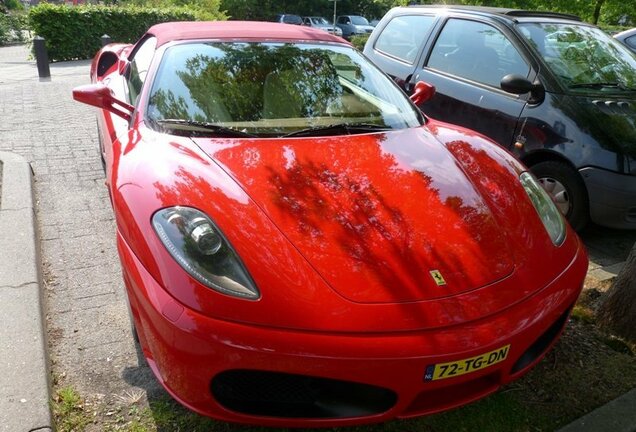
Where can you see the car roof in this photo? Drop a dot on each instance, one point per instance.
(625, 34)
(510, 14)
(258, 30)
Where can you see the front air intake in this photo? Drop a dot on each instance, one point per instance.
(275, 394)
(541, 344)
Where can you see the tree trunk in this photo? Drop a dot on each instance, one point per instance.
(617, 312)
(597, 10)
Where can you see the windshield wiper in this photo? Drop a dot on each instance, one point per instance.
(199, 126)
(598, 85)
(349, 128)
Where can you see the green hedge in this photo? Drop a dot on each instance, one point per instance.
(359, 41)
(73, 32)
(12, 28)
(4, 29)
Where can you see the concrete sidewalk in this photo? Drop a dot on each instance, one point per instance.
(24, 405)
(90, 345)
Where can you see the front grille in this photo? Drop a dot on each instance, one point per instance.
(276, 394)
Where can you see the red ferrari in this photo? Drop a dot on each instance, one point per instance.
(301, 246)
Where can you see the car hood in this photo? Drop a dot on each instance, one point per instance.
(366, 28)
(383, 217)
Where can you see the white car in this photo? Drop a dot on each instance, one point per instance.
(352, 25)
(323, 24)
(628, 37)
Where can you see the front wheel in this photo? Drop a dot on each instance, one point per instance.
(567, 190)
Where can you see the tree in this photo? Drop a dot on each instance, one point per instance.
(617, 313)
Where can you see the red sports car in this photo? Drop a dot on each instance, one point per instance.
(302, 247)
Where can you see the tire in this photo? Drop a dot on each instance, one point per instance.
(567, 190)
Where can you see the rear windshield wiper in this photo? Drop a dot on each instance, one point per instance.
(598, 85)
(205, 127)
(349, 128)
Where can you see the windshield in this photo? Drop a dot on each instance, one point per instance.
(320, 21)
(583, 56)
(274, 89)
(358, 20)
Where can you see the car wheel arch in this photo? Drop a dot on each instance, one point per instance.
(547, 164)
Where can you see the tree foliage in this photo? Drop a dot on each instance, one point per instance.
(266, 9)
(595, 11)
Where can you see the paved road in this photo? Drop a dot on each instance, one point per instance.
(90, 343)
(91, 347)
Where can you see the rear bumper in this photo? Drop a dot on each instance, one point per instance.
(187, 351)
(612, 197)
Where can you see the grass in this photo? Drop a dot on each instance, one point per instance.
(68, 410)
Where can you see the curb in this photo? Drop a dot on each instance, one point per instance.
(24, 365)
(618, 415)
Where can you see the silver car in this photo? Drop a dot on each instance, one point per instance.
(628, 37)
(323, 24)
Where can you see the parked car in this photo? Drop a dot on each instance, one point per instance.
(288, 19)
(352, 25)
(275, 194)
(557, 92)
(322, 24)
(628, 37)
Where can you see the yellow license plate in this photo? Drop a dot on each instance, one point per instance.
(452, 369)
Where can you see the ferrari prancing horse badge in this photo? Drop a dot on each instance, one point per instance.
(437, 277)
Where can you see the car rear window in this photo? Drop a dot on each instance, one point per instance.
(403, 36)
(631, 41)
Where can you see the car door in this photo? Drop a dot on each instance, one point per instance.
(344, 22)
(466, 63)
(126, 87)
(399, 44)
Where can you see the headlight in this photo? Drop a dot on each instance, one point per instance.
(201, 249)
(548, 212)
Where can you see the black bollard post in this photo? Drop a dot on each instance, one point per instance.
(41, 57)
(106, 40)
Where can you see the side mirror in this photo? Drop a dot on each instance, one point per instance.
(517, 84)
(422, 92)
(102, 97)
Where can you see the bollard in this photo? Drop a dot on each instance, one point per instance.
(106, 40)
(41, 57)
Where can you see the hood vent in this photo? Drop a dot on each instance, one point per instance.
(613, 106)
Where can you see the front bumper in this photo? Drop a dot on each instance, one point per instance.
(612, 197)
(190, 353)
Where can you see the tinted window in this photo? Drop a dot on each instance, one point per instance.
(292, 19)
(631, 41)
(403, 36)
(139, 66)
(343, 20)
(273, 88)
(476, 51)
(358, 20)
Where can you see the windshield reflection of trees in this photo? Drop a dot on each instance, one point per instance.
(392, 228)
(248, 82)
